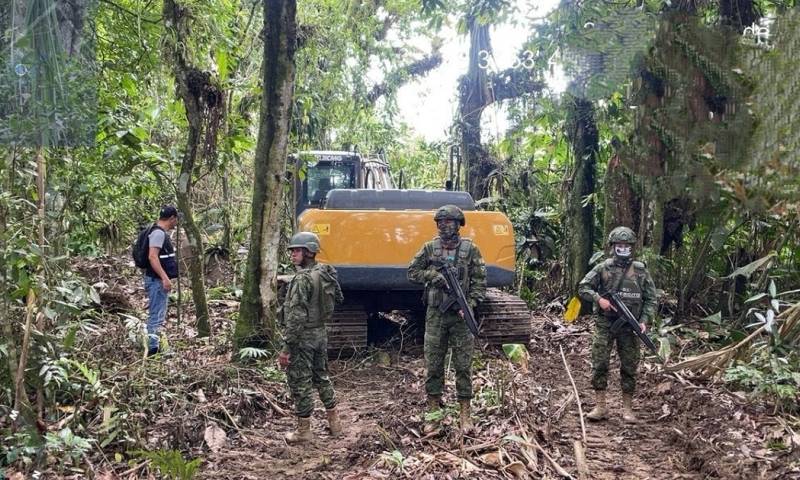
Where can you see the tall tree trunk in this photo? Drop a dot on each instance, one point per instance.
(192, 88)
(227, 226)
(7, 320)
(474, 96)
(478, 89)
(227, 201)
(619, 197)
(257, 314)
(583, 136)
(41, 189)
(21, 400)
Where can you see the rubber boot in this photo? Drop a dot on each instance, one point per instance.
(333, 422)
(434, 403)
(627, 409)
(466, 419)
(600, 412)
(303, 432)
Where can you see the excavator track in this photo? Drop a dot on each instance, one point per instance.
(347, 329)
(503, 318)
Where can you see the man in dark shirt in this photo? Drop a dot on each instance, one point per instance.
(157, 276)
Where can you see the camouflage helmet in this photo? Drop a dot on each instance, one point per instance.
(450, 212)
(621, 235)
(307, 240)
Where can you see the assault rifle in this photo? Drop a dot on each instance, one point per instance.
(456, 295)
(626, 318)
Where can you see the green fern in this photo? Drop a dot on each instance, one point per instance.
(171, 464)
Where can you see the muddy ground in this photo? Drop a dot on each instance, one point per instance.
(233, 416)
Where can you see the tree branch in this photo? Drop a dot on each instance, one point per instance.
(513, 83)
(133, 14)
(404, 74)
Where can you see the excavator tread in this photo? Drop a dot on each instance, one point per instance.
(347, 329)
(503, 318)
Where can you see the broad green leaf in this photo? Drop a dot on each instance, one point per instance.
(222, 64)
(719, 237)
(140, 133)
(715, 318)
(69, 338)
(129, 85)
(515, 352)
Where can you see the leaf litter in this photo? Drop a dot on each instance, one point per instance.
(233, 416)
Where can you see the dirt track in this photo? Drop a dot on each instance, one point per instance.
(686, 430)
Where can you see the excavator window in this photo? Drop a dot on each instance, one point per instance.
(324, 177)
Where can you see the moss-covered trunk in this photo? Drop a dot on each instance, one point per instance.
(257, 314)
(192, 88)
(583, 137)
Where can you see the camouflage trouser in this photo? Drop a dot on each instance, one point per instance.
(443, 330)
(627, 350)
(308, 371)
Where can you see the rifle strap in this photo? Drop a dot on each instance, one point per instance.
(616, 290)
(627, 272)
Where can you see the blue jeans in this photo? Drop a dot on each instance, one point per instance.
(157, 311)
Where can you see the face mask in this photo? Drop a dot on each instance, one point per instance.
(622, 250)
(447, 230)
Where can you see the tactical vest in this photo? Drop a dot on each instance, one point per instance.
(436, 254)
(631, 280)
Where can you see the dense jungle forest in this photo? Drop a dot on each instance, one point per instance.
(679, 119)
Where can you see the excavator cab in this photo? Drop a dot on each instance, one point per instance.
(320, 171)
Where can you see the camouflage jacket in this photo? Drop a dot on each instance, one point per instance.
(300, 313)
(466, 257)
(636, 289)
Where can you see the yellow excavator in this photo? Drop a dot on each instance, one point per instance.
(370, 230)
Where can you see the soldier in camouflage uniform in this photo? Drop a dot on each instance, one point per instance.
(305, 351)
(449, 329)
(631, 279)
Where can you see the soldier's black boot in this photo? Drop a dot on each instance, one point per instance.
(627, 409)
(600, 412)
(302, 434)
(333, 422)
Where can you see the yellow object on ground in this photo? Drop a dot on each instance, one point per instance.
(573, 309)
